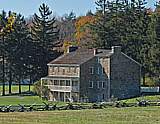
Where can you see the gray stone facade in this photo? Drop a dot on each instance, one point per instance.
(93, 75)
(125, 76)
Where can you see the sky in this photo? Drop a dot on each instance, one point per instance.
(59, 7)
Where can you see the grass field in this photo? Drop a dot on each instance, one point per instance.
(133, 115)
(15, 88)
(133, 100)
(15, 100)
(111, 115)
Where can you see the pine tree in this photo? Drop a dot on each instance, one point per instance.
(16, 43)
(44, 29)
(100, 29)
(45, 34)
(6, 26)
(3, 21)
(109, 26)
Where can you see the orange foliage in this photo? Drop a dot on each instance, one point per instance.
(81, 26)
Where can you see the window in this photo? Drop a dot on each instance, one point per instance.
(62, 82)
(98, 70)
(90, 84)
(67, 82)
(98, 84)
(91, 70)
(74, 83)
(98, 59)
(103, 71)
(75, 70)
(103, 84)
(56, 82)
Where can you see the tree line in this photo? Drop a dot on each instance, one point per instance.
(27, 46)
(25, 49)
(127, 23)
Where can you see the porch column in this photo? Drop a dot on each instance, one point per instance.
(64, 96)
(71, 96)
(41, 87)
(109, 88)
(58, 96)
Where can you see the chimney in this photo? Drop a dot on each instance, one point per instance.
(95, 51)
(72, 49)
(116, 49)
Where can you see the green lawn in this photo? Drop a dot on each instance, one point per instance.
(133, 115)
(15, 100)
(133, 100)
(15, 88)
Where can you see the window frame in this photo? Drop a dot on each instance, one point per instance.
(91, 82)
(98, 60)
(103, 84)
(98, 84)
(91, 70)
(99, 70)
(68, 82)
(103, 70)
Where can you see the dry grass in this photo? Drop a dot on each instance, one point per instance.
(134, 115)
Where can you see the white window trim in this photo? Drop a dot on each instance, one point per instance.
(98, 70)
(92, 84)
(98, 84)
(103, 72)
(91, 68)
(103, 82)
(98, 60)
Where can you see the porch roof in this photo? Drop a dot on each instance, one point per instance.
(59, 77)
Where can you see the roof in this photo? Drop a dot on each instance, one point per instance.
(80, 56)
(59, 77)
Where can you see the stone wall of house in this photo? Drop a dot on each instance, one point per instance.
(97, 92)
(63, 70)
(125, 76)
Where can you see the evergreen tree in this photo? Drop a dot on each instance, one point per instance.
(45, 34)
(69, 17)
(16, 45)
(6, 26)
(3, 21)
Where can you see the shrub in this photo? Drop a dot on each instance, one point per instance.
(41, 90)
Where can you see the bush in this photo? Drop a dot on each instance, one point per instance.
(41, 91)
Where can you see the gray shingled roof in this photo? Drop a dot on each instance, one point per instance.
(79, 56)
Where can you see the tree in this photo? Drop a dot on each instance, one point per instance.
(45, 34)
(16, 49)
(69, 17)
(3, 21)
(99, 28)
(6, 26)
(125, 23)
(83, 32)
(67, 27)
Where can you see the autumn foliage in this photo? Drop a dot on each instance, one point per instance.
(83, 30)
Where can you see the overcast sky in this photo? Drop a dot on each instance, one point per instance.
(60, 7)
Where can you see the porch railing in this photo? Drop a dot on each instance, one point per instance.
(64, 88)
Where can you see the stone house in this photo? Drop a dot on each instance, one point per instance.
(93, 75)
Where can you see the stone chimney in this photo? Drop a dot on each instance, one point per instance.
(72, 49)
(95, 51)
(116, 49)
